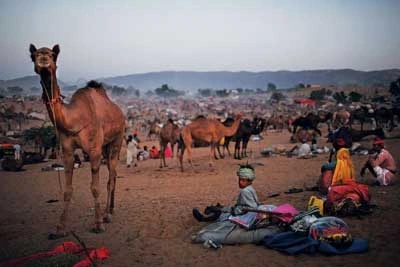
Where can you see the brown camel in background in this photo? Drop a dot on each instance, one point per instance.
(303, 134)
(154, 130)
(169, 133)
(340, 118)
(208, 130)
(90, 121)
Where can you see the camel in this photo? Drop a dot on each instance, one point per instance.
(90, 121)
(303, 134)
(363, 115)
(277, 122)
(340, 118)
(208, 130)
(155, 129)
(310, 123)
(169, 133)
(242, 136)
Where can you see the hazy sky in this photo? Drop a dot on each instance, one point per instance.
(109, 38)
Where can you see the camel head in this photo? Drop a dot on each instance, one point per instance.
(238, 116)
(44, 59)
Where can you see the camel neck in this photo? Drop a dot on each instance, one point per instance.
(52, 99)
(51, 90)
(229, 131)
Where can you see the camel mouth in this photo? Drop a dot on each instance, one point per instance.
(43, 64)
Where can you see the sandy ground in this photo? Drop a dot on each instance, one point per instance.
(152, 224)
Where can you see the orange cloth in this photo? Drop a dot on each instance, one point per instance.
(344, 169)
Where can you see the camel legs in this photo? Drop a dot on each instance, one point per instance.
(68, 160)
(221, 155)
(226, 146)
(237, 150)
(244, 148)
(187, 142)
(112, 152)
(212, 153)
(95, 160)
(162, 154)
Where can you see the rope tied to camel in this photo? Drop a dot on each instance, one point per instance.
(52, 102)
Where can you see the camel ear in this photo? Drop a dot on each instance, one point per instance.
(56, 51)
(32, 49)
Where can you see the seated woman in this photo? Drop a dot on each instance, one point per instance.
(338, 171)
(154, 153)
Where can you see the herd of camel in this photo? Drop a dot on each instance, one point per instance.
(92, 122)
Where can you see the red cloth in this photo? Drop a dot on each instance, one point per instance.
(95, 254)
(358, 192)
(168, 152)
(66, 247)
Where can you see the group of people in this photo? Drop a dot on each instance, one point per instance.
(135, 154)
(380, 163)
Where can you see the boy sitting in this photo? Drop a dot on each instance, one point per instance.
(247, 198)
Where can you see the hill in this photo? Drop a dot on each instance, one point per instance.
(191, 80)
(26, 82)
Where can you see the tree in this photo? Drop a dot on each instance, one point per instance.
(34, 90)
(204, 92)
(116, 90)
(260, 91)
(277, 96)
(318, 94)
(222, 93)
(43, 137)
(271, 87)
(149, 93)
(355, 97)
(15, 90)
(165, 91)
(340, 97)
(395, 87)
(301, 85)
(239, 90)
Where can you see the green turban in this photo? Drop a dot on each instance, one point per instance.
(246, 173)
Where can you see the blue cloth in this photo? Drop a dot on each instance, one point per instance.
(295, 243)
(357, 246)
(291, 242)
(328, 166)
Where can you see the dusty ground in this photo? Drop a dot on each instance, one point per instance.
(153, 222)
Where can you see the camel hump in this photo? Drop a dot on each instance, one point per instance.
(94, 84)
(97, 86)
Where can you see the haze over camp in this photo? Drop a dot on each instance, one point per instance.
(212, 133)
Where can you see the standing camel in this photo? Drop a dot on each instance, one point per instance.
(169, 133)
(243, 134)
(155, 129)
(208, 130)
(90, 121)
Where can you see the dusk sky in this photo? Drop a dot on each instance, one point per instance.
(112, 38)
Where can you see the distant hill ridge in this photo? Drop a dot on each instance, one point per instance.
(193, 80)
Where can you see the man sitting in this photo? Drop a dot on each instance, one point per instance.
(381, 163)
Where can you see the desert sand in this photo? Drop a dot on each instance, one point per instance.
(152, 224)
